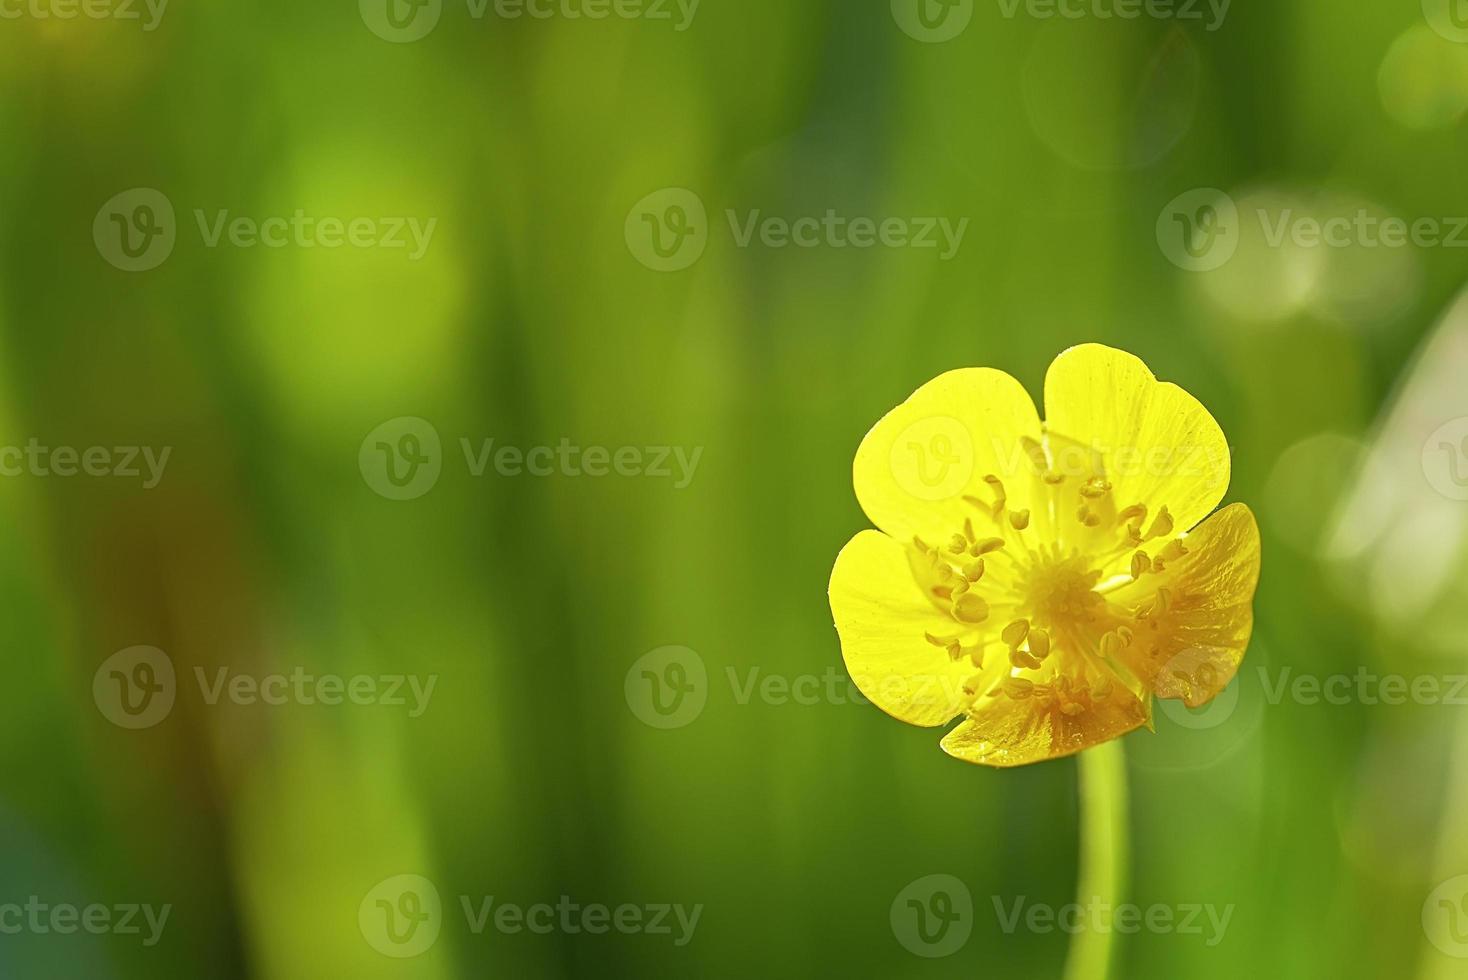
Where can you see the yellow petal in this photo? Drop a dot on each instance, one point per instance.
(1159, 444)
(882, 617)
(915, 467)
(1008, 732)
(1193, 649)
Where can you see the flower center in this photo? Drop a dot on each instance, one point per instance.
(1060, 595)
(1042, 574)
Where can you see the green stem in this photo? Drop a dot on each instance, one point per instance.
(1104, 852)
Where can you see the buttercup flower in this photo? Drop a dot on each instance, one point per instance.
(1044, 581)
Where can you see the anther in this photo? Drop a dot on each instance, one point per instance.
(984, 547)
(1136, 512)
(1162, 525)
(1020, 519)
(1141, 564)
(1014, 634)
(974, 570)
(1018, 688)
(970, 608)
(1023, 659)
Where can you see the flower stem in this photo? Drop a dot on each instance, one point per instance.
(1104, 855)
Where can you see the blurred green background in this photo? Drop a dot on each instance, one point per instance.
(536, 315)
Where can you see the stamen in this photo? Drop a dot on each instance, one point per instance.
(1162, 526)
(1020, 519)
(1014, 634)
(957, 544)
(1039, 643)
(984, 547)
(1136, 512)
(1141, 564)
(1173, 550)
(970, 608)
(1017, 688)
(1095, 487)
(974, 570)
(1023, 660)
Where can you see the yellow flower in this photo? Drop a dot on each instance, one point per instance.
(1044, 581)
